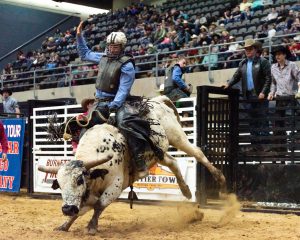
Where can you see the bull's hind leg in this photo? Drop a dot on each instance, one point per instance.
(65, 227)
(181, 142)
(111, 193)
(171, 163)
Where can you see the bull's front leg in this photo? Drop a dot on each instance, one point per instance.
(65, 227)
(108, 196)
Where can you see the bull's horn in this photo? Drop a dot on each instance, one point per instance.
(48, 169)
(94, 163)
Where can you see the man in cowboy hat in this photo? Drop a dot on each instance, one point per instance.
(285, 82)
(255, 74)
(86, 104)
(10, 105)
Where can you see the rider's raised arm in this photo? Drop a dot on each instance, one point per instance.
(85, 53)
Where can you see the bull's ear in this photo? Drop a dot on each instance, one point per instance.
(98, 173)
(55, 185)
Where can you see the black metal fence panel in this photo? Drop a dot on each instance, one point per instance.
(217, 125)
(256, 144)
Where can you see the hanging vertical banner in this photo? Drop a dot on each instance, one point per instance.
(10, 170)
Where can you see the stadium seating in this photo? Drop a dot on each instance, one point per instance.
(138, 43)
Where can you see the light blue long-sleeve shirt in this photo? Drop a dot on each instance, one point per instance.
(126, 78)
(176, 76)
(250, 84)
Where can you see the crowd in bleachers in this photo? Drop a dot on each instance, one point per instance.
(186, 27)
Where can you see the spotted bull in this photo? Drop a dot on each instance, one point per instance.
(101, 169)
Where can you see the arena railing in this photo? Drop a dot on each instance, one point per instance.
(150, 64)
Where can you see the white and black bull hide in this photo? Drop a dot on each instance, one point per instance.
(101, 171)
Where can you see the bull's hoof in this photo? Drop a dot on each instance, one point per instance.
(219, 177)
(61, 228)
(186, 191)
(90, 231)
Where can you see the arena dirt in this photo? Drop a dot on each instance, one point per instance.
(23, 218)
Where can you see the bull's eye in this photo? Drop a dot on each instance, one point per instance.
(80, 180)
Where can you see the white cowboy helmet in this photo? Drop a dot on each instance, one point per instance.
(116, 38)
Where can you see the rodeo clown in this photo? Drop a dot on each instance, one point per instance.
(116, 74)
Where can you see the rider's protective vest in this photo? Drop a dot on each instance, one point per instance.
(169, 83)
(109, 72)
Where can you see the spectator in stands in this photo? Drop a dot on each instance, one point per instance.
(272, 16)
(197, 24)
(166, 43)
(175, 86)
(210, 60)
(57, 33)
(151, 49)
(224, 36)
(290, 19)
(159, 34)
(112, 89)
(234, 46)
(147, 38)
(8, 71)
(235, 53)
(51, 45)
(263, 33)
(295, 25)
(228, 17)
(285, 82)
(257, 5)
(10, 105)
(3, 142)
(265, 53)
(255, 75)
(246, 14)
(272, 31)
(194, 43)
(162, 67)
(212, 28)
(295, 49)
(296, 7)
(204, 38)
(203, 19)
(236, 13)
(283, 13)
(244, 4)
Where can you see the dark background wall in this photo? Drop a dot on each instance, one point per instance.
(19, 25)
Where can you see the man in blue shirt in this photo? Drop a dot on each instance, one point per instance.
(254, 72)
(115, 78)
(175, 86)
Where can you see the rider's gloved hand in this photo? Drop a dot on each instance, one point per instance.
(112, 115)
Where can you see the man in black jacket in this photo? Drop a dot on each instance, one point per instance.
(254, 72)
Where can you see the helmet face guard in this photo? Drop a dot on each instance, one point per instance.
(116, 38)
(111, 54)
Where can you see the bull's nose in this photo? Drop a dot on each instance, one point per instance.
(70, 210)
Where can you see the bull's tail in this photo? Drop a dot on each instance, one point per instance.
(169, 103)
